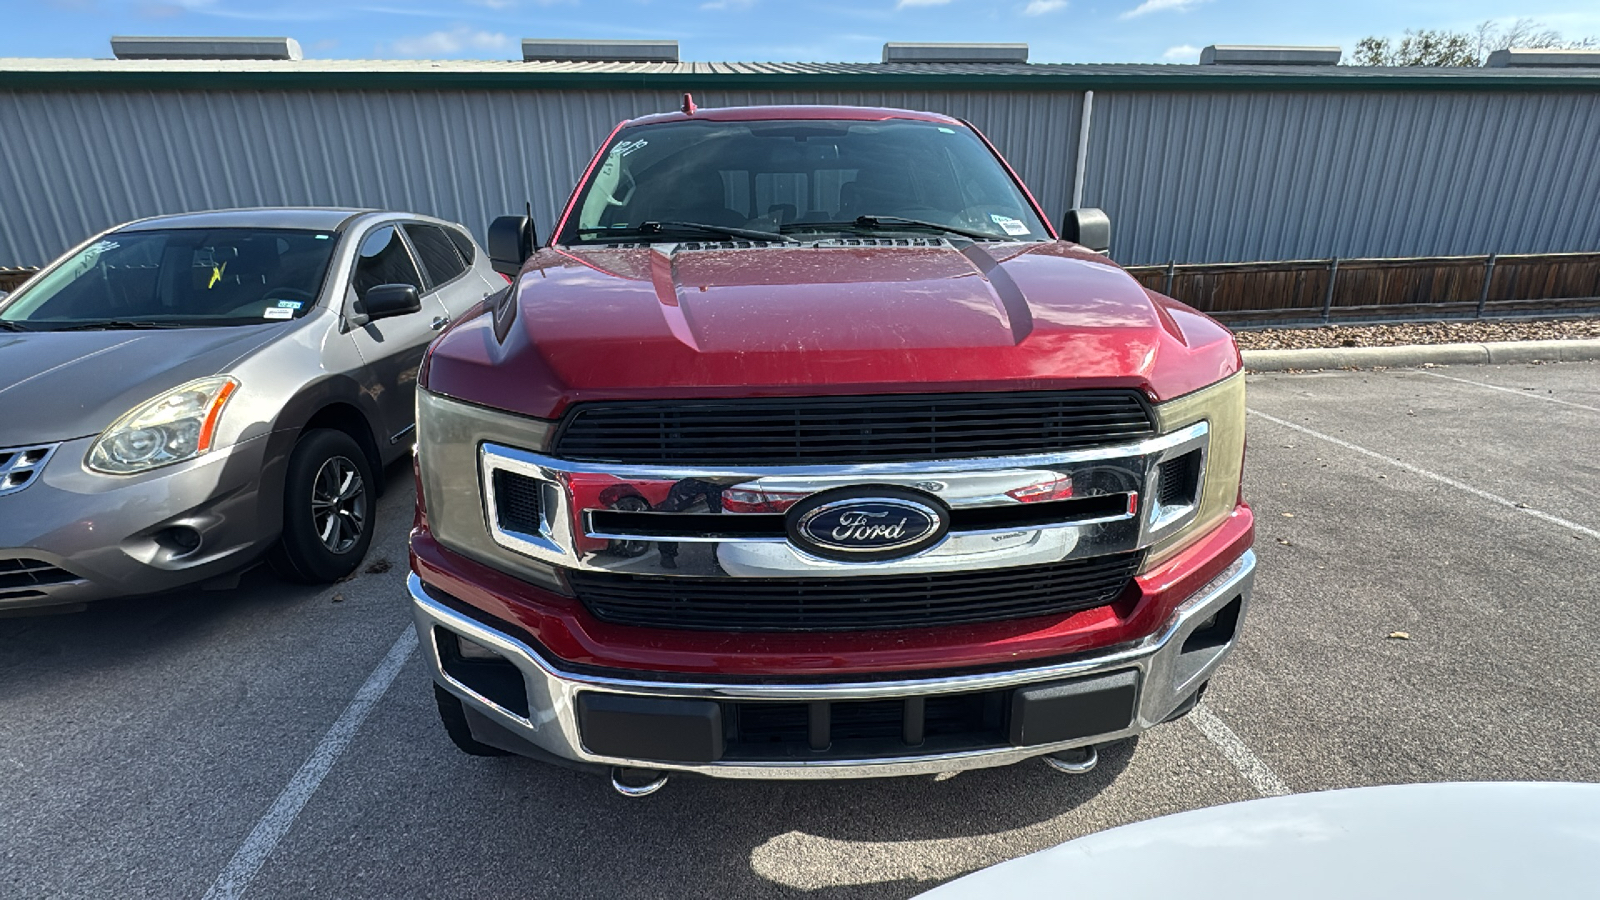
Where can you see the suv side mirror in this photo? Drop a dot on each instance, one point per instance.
(511, 241)
(1089, 227)
(385, 302)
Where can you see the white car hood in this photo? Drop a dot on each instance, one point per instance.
(1444, 841)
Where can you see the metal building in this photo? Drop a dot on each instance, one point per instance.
(1194, 164)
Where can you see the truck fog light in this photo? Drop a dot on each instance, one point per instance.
(473, 650)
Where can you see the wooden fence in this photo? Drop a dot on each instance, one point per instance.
(1335, 290)
(11, 279)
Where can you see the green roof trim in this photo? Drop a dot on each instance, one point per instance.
(350, 75)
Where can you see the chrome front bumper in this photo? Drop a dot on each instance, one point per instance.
(1168, 674)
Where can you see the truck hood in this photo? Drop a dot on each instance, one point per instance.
(673, 321)
(59, 385)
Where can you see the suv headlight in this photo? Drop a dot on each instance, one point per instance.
(178, 425)
(1221, 406)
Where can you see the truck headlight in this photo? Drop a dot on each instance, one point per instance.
(178, 425)
(1221, 405)
(449, 435)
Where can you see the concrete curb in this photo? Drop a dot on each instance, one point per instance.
(1421, 354)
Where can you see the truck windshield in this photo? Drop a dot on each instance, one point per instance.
(178, 278)
(799, 177)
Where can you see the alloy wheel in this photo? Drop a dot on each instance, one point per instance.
(338, 504)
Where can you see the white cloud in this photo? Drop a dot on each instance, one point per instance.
(728, 4)
(438, 44)
(1182, 53)
(1150, 6)
(1040, 7)
(905, 3)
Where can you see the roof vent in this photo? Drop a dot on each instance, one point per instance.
(1235, 55)
(955, 53)
(205, 48)
(1531, 58)
(543, 50)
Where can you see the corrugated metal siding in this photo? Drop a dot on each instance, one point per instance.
(1226, 176)
(1186, 176)
(85, 161)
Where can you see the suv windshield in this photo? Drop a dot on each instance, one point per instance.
(681, 180)
(178, 278)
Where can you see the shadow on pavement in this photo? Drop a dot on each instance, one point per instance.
(534, 830)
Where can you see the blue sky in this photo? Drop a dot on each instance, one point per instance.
(759, 30)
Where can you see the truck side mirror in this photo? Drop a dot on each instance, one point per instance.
(1089, 227)
(511, 241)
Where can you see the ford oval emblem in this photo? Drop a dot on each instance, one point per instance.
(863, 524)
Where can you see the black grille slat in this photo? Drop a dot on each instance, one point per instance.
(864, 729)
(855, 429)
(876, 602)
(517, 503)
(1179, 479)
(28, 573)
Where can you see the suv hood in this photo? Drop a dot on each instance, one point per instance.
(59, 385)
(833, 317)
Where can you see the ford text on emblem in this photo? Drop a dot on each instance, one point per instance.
(871, 522)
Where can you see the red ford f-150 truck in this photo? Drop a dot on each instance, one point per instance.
(807, 449)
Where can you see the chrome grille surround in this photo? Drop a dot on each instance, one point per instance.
(571, 490)
(20, 466)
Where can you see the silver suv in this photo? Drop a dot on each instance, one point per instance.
(182, 395)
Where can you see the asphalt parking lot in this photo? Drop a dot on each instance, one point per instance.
(215, 741)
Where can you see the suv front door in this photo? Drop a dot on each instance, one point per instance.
(392, 348)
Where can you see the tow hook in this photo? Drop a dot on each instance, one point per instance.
(1078, 761)
(642, 782)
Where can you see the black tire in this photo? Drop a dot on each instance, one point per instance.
(327, 519)
(454, 718)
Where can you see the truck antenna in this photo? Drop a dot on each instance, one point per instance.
(688, 104)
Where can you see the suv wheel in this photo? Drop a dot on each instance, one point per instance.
(454, 718)
(328, 505)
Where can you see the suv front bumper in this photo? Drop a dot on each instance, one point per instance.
(1138, 685)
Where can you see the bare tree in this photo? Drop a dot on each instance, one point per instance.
(1429, 47)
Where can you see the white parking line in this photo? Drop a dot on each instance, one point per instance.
(263, 839)
(1435, 476)
(1261, 777)
(1520, 393)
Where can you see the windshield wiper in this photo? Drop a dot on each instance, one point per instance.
(117, 325)
(889, 223)
(12, 326)
(748, 234)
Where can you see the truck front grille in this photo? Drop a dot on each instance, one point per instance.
(866, 603)
(883, 428)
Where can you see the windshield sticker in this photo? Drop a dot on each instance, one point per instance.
(278, 313)
(947, 130)
(626, 147)
(1013, 227)
(289, 304)
(216, 275)
(92, 253)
